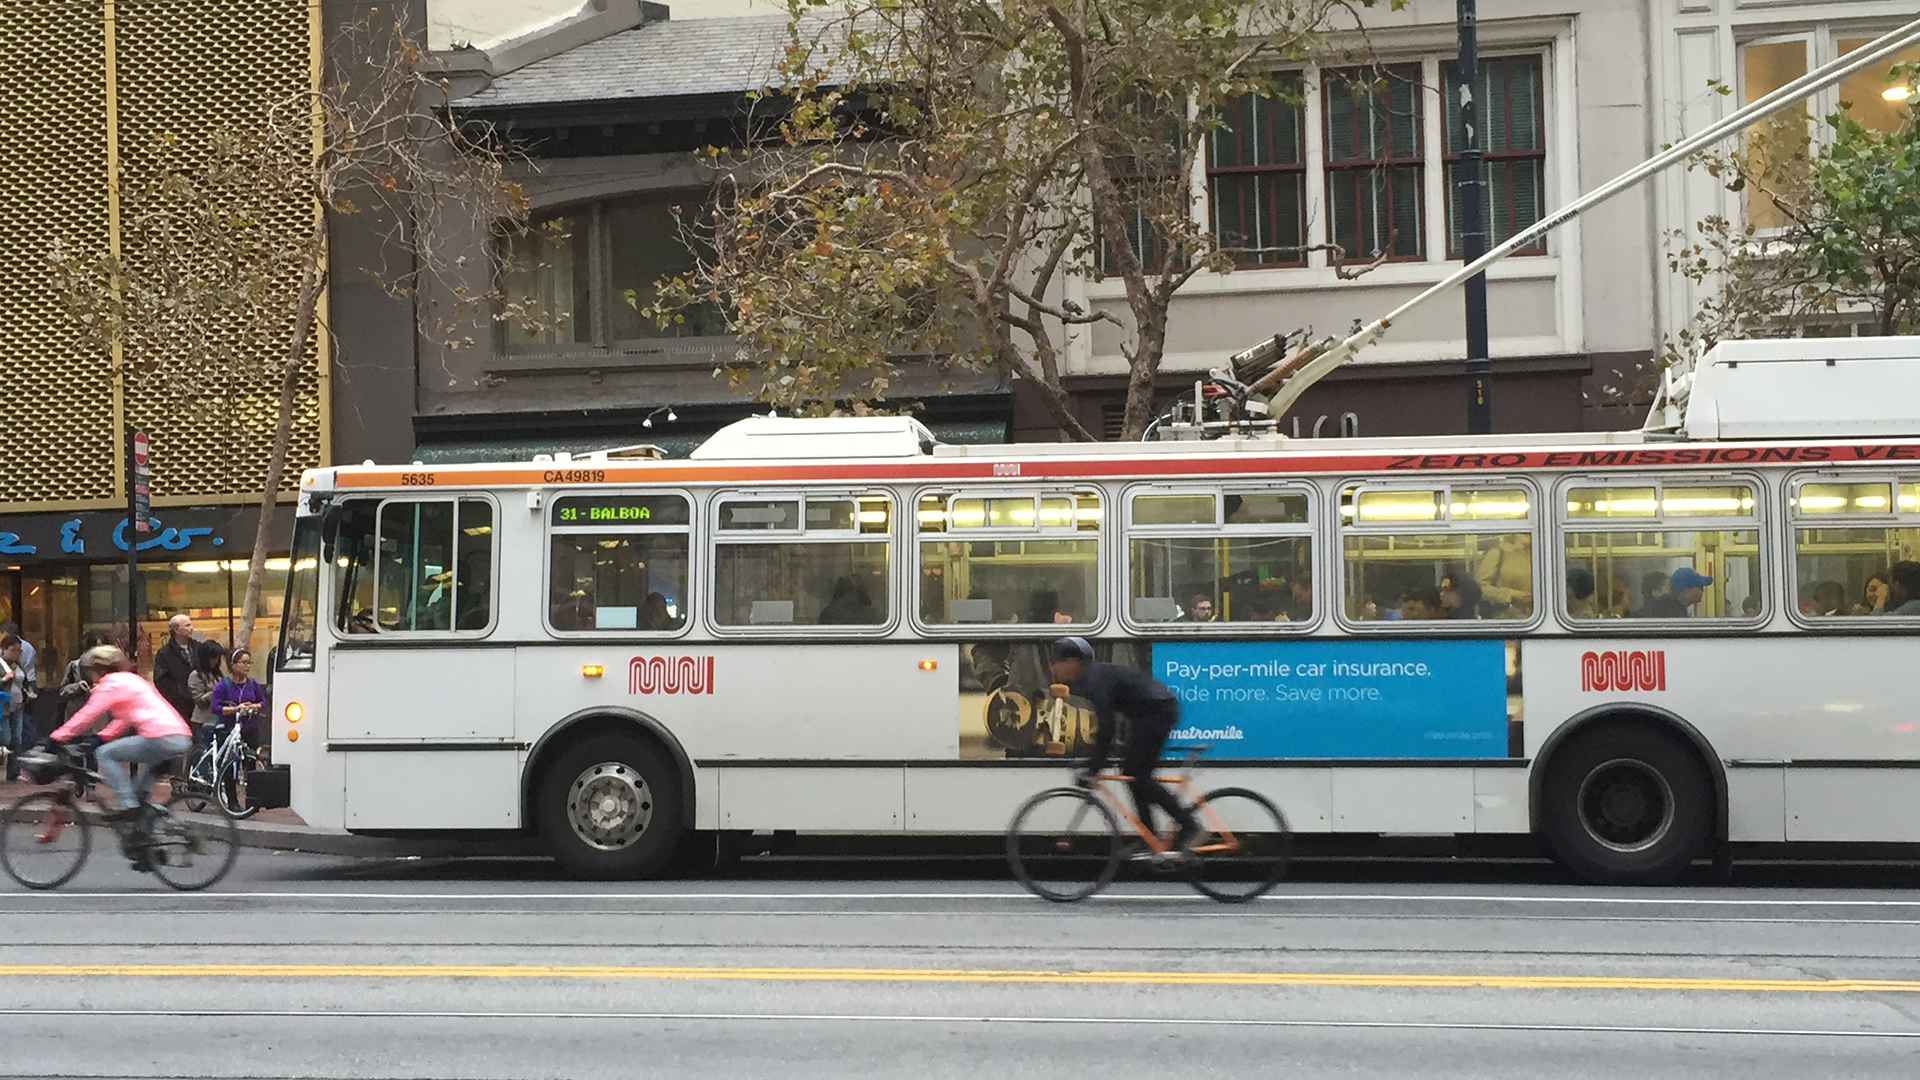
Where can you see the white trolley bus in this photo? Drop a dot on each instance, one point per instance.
(1641, 649)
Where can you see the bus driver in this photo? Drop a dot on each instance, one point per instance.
(1152, 712)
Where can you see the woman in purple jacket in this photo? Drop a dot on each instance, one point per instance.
(239, 698)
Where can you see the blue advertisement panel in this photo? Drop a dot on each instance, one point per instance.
(1339, 699)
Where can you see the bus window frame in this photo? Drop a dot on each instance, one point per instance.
(549, 530)
(1102, 537)
(381, 501)
(1127, 533)
(718, 538)
(1535, 527)
(1756, 522)
(1791, 485)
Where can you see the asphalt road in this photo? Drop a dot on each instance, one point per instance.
(325, 967)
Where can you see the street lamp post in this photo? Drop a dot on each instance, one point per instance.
(1470, 208)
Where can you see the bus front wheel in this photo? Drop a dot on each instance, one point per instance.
(610, 807)
(1627, 804)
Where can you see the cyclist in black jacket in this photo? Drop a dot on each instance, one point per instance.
(1152, 713)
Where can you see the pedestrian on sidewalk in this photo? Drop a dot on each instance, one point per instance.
(208, 669)
(173, 663)
(75, 685)
(13, 711)
(239, 698)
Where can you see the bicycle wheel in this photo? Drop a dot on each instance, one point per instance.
(44, 839)
(1064, 845)
(231, 792)
(1243, 848)
(191, 850)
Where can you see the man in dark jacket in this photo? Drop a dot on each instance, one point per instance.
(173, 663)
(1152, 713)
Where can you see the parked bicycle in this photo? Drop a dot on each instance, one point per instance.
(1066, 843)
(46, 836)
(219, 774)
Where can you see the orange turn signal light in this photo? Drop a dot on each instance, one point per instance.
(592, 671)
(295, 713)
(929, 665)
(292, 735)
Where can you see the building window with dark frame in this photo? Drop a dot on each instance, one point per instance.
(1257, 178)
(1374, 161)
(1513, 132)
(589, 273)
(1147, 178)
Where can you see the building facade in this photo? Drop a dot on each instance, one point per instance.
(615, 99)
(1752, 47)
(92, 96)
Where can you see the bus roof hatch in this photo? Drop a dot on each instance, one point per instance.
(760, 438)
(1795, 388)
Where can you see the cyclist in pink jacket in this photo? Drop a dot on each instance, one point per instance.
(157, 733)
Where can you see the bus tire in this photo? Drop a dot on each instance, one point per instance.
(610, 807)
(1627, 804)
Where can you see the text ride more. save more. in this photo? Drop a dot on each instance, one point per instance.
(1339, 699)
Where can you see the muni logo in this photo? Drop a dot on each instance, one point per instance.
(670, 675)
(1643, 670)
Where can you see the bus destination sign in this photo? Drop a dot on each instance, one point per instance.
(621, 510)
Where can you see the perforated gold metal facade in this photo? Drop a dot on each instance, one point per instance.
(174, 68)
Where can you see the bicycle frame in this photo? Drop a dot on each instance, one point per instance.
(217, 757)
(1103, 789)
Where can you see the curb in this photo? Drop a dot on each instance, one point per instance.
(308, 840)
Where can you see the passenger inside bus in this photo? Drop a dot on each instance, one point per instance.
(1506, 576)
(1685, 589)
(1653, 586)
(850, 604)
(1460, 597)
(1873, 596)
(1580, 590)
(1420, 604)
(1619, 601)
(1903, 593)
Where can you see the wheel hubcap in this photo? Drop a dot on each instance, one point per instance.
(609, 806)
(1626, 805)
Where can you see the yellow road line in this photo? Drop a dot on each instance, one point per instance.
(961, 975)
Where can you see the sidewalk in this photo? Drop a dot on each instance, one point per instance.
(282, 830)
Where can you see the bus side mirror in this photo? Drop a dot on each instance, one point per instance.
(329, 530)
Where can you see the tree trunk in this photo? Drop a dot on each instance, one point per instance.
(1142, 373)
(312, 280)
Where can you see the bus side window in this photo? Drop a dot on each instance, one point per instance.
(619, 562)
(1852, 541)
(1228, 557)
(1422, 554)
(1009, 558)
(1659, 550)
(830, 569)
(409, 566)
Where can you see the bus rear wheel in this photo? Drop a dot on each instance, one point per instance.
(1627, 804)
(610, 807)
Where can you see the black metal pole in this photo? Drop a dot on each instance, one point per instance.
(133, 555)
(1470, 204)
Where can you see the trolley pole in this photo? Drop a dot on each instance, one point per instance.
(1470, 204)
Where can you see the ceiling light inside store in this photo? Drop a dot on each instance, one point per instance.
(1897, 93)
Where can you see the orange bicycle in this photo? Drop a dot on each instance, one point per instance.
(1066, 843)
